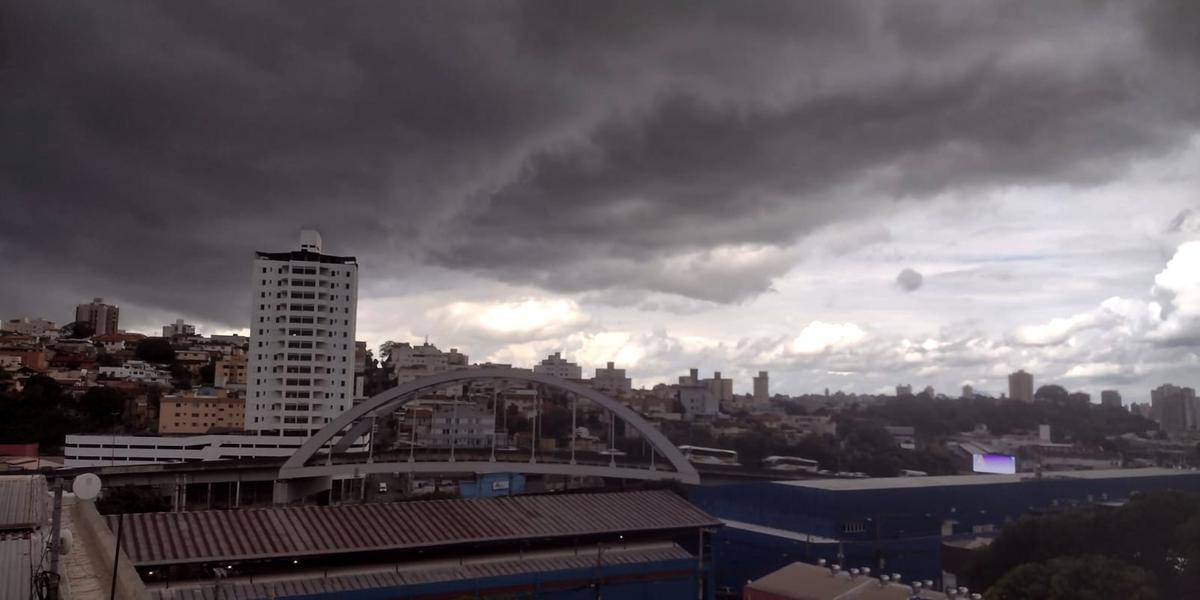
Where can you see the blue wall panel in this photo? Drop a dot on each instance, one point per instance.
(492, 485)
(903, 526)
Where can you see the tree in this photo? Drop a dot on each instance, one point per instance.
(555, 422)
(935, 419)
(1157, 532)
(1052, 393)
(1075, 578)
(156, 350)
(102, 407)
(108, 360)
(40, 413)
(385, 350)
(821, 448)
(208, 373)
(77, 330)
(516, 422)
(181, 377)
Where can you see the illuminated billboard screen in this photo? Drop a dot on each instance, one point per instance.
(994, 463)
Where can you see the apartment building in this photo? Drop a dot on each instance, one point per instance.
(104, 318)
(301, 358)
(205, 411)
(557, 366)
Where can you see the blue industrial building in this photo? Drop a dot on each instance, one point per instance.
(898, 524)
(492, 485)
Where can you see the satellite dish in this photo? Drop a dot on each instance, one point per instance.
(66, 541)
(86, 486)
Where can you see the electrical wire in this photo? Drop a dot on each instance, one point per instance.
(44, 584)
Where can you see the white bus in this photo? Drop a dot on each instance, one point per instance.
(710, 456)
(790, 463)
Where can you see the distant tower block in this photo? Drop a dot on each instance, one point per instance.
(1020, 386)
(762, 386)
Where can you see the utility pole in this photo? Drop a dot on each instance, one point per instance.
(495, 410)
(55, 536)
(112, 590)
(879, 560)
(574, 408)
(454, 429)
(598, 584)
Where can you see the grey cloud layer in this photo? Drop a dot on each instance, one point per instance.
(637, 148)
(909, 280)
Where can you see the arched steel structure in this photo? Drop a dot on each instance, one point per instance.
(297, 465)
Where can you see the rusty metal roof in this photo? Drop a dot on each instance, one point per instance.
(263, 533)
(434, 574)
(24, 503)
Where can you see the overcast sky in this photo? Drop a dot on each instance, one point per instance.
(847, 194)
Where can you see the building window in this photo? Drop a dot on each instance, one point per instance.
(854, 527)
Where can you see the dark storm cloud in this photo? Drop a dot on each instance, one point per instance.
(909, 280)
(148, 148)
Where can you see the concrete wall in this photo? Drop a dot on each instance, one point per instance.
(87, 569)
(288, 491)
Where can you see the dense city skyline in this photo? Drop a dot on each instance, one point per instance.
(884, 199)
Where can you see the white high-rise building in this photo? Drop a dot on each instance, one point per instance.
(409, 362)
(301, 367)
(557, 366)
(612, 380)
(178, 328)
(720, 387)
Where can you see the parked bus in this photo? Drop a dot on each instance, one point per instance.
(790, 463)
(710, 456)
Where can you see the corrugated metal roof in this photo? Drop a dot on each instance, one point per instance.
(24, 503)
(802, 581)
(807, 538)
(191, 537)
(383, 579)
(15, 564)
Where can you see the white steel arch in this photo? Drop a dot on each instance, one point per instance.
(296, 466)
